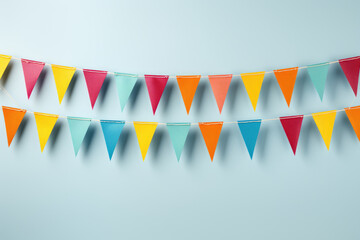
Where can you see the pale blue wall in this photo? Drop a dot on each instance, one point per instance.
(314, 195)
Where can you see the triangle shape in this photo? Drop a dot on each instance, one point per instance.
(211, 133)
(188, 86)
(286, 79)
(250, 131)
(94, 81)
(325, 123)
(78, 129)
(220, 86)
(292, 127)
(112, 131)
(253, 83)
(32, 70)
(351, 67)
(12, 118)
(155, 85)
(353, 113)
(4, 62)
(318, 75)
(125, 84)
(178, 133)
(45, 124)
(144, 132)
(62, 77)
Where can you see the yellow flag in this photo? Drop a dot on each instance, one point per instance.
(144, 132)
(325, 123)
(253, 82)
(4, 61)
(62, 76)
(45, 124)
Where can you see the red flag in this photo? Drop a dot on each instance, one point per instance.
(32, 70)
(94, 80)
(155, 85)
(350, 67)
(292, 127)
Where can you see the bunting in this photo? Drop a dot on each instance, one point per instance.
(250, 131)
(155, 85)
(286, 79)
(94, 81)
(32, 70)
(188, 86)
(62, 76)
(318, 74)
(178, 133)
(292, 127)
(325, 123)
(45, 124)
(144, 132)
(351, 67)
(4, 62)
(78, 129)
(220, 86)
(111, 130)
(211, 133)
(353, 113)
(12, 118)
(253, 83)
(125, 83)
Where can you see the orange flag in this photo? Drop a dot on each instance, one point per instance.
(188, 85)
(12, 118)
(220, 86)
(286, 79)
(211, 132)
(353, 114)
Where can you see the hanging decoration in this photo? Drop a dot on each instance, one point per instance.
(32, 70)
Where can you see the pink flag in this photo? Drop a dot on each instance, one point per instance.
(220, 86)
(351, 67)
(155, 85)
(94, 80)
(292, 127)
(32, 70)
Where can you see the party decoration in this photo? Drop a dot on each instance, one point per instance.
(125, 83)
(45, 124)
(144, 132)
(318, 74)
(94, 81)
(62, 76)
(250, 131)
(32, 70)
(286, 79)
(178, 133)
(111, 130)
(188, 86)
(292, 127)
(78, 129)
(325, 123)
(351, 67)
(4, 62)
(253, 83)
(12, 117)
(220, 86)
(211, 133)
(353, 113)
(155, 85)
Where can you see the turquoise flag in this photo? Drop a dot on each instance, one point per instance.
(78, 128)
(318, 74)
(111, 130)
(178, 133)
(125, 83)
(250, 131)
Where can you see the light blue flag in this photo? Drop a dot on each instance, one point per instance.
(125, 83)
(178, 133)
(78, 128)
(318, 74)
(111, 130)
(250, 131)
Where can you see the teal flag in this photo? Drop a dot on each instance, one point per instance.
(178, 133)
(111, 130)
(125, 83)
(250, 131)
(78, 128)
(318, 74)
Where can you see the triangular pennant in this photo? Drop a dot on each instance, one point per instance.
(144, 132)
(325, 123)
(351, 67)
(220, 86)
(292, 127)
(4, 62)
(45, 124)
(353, 113)
(318, 74)
(111, 130)
(211, 133)
(178, 133)
(188, 86)
(78, 128)
(32, 70)
(155, 85)
(125, 84)
(250, 131)
(62, 76)
(286, 79)
(94, 81)
(12, 118)
(253, 83)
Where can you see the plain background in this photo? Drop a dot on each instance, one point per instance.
(53, 195)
